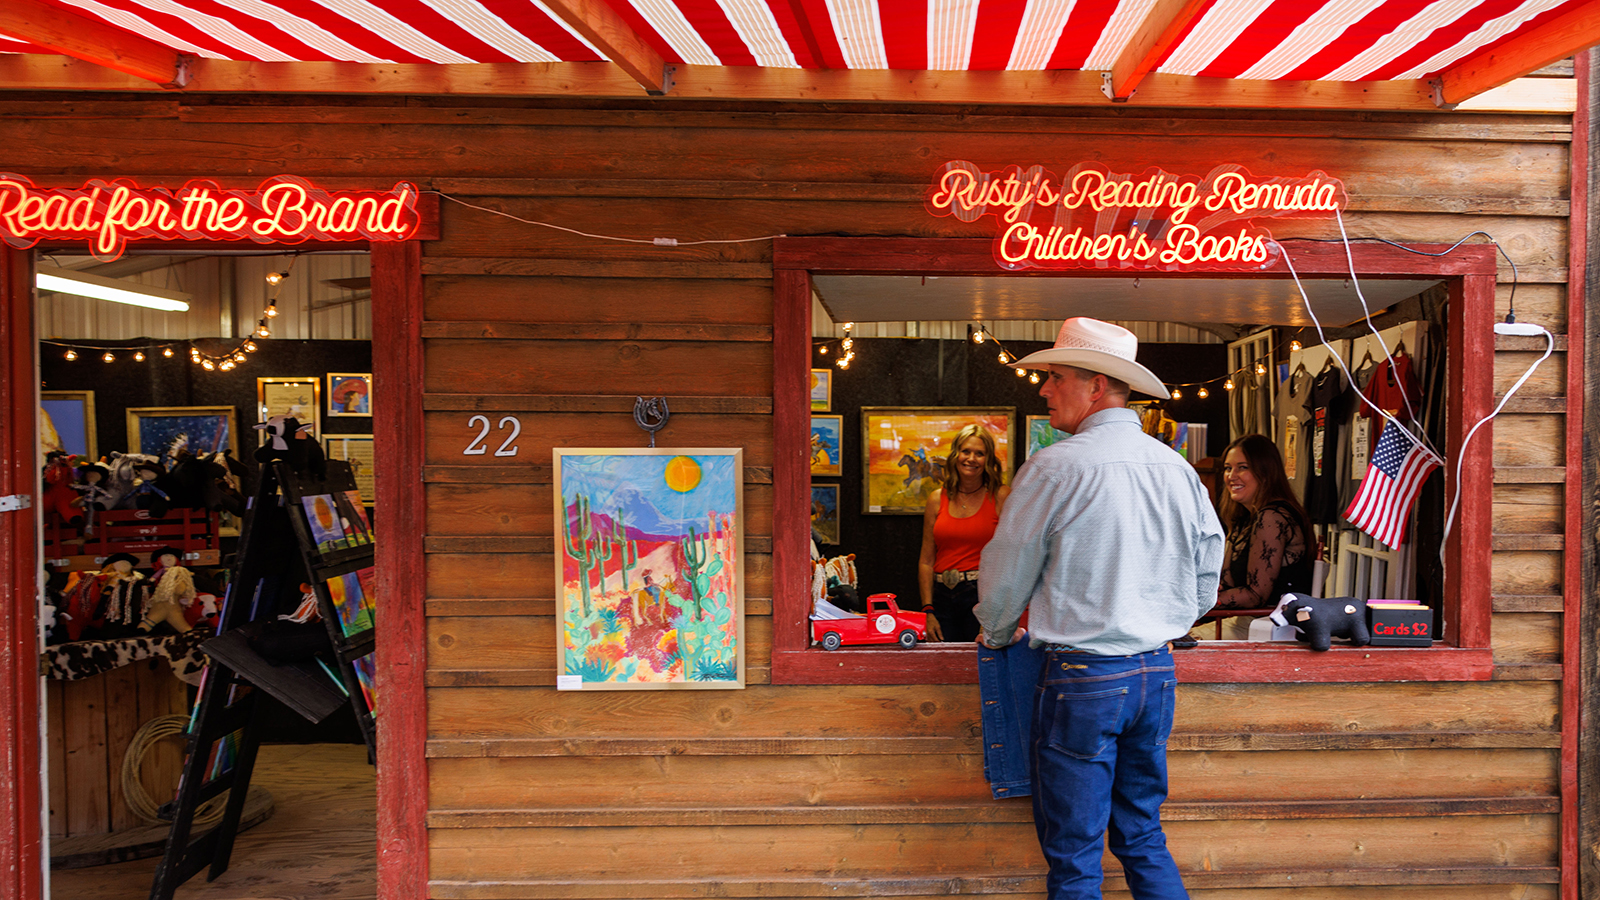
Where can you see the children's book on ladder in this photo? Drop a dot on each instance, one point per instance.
(305, 552)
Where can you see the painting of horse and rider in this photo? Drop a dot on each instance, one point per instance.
(903, 450)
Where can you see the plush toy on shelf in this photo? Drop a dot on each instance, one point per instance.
(174, 592)
(1320, 619)
(106, 600)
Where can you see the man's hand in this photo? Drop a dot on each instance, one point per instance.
(983, 639)
(935, 633)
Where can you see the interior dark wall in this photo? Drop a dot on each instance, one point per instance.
(159, 381)
(925, 372)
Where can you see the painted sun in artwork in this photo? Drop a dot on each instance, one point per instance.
(683, 474)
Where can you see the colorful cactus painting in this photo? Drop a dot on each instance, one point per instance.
(649, 574)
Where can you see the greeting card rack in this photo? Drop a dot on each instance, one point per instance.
(297, 531)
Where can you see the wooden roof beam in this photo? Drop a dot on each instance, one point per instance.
(601, 26)
(38, 72)
(91, 40)
(1561, 37)
(1151, 40)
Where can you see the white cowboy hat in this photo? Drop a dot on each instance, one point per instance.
(1098, 347)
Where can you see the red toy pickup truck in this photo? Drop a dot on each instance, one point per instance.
(884, 623)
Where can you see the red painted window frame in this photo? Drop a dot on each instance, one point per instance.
(1463, 655)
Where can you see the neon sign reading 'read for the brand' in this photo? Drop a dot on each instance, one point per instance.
(284, 210)
(1094, 218)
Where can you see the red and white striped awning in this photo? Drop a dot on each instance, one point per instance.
(1252, 40)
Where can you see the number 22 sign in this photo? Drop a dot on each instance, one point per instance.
(480, 446)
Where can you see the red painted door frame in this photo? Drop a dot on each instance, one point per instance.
(402, 735)
(21, 795)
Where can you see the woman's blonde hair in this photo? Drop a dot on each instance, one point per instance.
(991, 462)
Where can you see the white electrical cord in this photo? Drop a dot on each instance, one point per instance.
(1522, 329)
(1509, 328)
(1420, 441)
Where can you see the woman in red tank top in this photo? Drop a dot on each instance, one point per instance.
(960, 518)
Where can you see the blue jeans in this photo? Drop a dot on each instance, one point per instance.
(1008, 683)
(1100, 732)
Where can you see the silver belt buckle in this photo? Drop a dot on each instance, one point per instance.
(952, 577)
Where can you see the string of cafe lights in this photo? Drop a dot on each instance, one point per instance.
(980, 334)
(211, 362)
(844, 353)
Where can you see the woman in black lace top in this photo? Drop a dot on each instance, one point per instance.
(1271, 547)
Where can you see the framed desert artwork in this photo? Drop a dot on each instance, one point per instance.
(903, 449)
(649, 568)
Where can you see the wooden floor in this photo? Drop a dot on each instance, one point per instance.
(320, 843)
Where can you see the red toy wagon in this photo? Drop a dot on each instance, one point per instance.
(884, 623)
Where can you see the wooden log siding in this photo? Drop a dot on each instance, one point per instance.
(1329, 791)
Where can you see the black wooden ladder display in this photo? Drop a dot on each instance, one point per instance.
(278, 551)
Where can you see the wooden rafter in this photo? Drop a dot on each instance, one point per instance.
(1561, 37)
(58, 29)
(37, 72)
(601, 26)
(1155, 35)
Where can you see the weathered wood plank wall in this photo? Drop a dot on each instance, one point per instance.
(1329, 790)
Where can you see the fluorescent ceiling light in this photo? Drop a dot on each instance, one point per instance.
(66, 281)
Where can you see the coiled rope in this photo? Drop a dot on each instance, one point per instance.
(138, 799)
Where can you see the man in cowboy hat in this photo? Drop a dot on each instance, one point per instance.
(1110, 539)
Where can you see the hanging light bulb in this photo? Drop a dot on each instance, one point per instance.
(1004, 358)
(1228, 385)
(1294, 347)
(71, 354)
(238, 356)
(1177, 394)
(1261, 368)
(823, 349)
(272, 310)
(1203, 393)
(977, 336)
(109, 357)
(167, 352)
(847, 343)
(276, 277)
(1022, 373)
(208, 365)
(849, 325)
(138, 356)
(227, 364)
(1033, 377)
(843, 363)
(250, 346)
(262, 331)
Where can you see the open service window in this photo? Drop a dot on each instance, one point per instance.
(1461, 650)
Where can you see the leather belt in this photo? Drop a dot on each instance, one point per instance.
(952, 577)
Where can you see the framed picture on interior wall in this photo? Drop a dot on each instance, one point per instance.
(349, 394)
(649, 568)
(1041, 434)
(821, 390)
(297, 397)
(903, 449)
(827, 442)
(355, 449)
(825, 512)
(161, 430)
(66, 423)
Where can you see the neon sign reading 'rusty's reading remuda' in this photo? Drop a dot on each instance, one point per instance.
(284, 210)
(1094, 218)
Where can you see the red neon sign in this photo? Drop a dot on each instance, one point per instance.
(284, 210)
(1094, 218)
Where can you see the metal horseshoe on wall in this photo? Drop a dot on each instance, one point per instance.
(651, 414)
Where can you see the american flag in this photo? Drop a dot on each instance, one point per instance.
(1399, 467)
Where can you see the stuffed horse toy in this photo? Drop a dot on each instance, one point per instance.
(123, 477)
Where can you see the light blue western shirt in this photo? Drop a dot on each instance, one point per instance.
(1108, 537)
